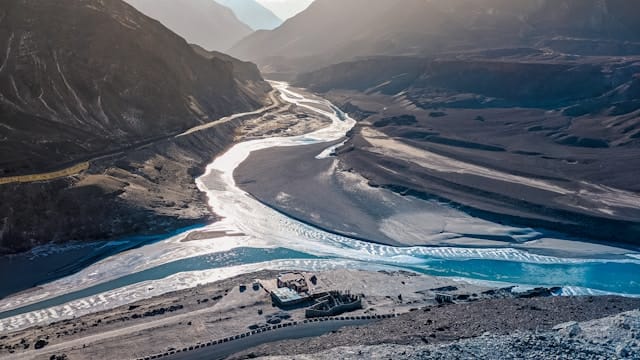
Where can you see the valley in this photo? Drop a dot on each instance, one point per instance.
(510, 177)
(250, 237)
(235, 179)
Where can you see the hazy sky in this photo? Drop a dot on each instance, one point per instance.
(285, 8)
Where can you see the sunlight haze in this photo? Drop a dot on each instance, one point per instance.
(319, 179)
(285, 8)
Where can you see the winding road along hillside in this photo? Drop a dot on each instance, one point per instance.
(83, 166)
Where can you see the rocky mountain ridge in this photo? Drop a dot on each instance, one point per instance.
(124, 79)
(332, 31)
(526, 78)
(253, 14)
(98, 81)
(202, 22)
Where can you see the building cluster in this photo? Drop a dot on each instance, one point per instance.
(334, 303)
(293, 288)
(294, 281)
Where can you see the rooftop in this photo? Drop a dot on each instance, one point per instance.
(286, 295)
(290, 277)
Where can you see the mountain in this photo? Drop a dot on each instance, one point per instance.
(202, 22)
(253, 14)
(332, 31)
(558, 119)
(122, 79)
(543, 90)
(312, 37)
(285, 9)
(97, 81)
(518, 78)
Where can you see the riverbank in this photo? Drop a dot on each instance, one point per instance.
(51, 262)
(142, 190)
(153, 190)
(230, 307)
(312, 191)
(326, 193)
(504, 165)
(226, 308)
(217, 310)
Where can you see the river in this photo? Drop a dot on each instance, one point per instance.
(262, 238)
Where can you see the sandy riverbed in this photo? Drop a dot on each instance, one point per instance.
(325, 193)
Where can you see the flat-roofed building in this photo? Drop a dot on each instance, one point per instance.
(294, 281)
(286, 297)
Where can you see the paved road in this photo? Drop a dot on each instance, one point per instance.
(70, 171)
(275, 102)
(223, 350)
(75, 169)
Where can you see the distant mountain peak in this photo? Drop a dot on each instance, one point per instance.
(332, 31)
(285, 9)
(253, 14)
(202, 22)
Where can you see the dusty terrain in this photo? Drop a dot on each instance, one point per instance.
(613, 337)
(312, 191)
(479, 320)
(214, 311)
(227, 308)
(321, 191)
(501, 164)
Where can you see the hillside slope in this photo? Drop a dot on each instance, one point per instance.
(332, 31)
(253, 14)
(546, 91)
(202, 22)
(97, 81)
(123, 79)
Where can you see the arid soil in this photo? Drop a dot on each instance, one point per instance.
(311, 190)
(234, 306)
(501, 164)
(448, 323)
(218, 310)
(338, 194)
(613, 337)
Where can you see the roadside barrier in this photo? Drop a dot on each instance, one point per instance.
(263, 330)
